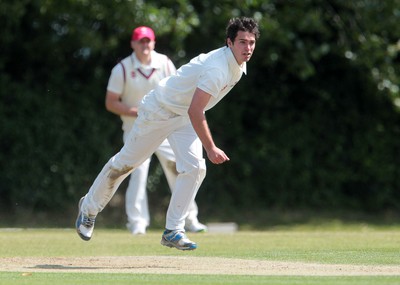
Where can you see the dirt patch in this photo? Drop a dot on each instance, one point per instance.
(187, 265)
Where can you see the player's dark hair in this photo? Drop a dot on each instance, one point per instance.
(243, 24)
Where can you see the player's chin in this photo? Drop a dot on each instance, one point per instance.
(246, 58)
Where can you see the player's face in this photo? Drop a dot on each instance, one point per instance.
(143, 46)
(243, 46)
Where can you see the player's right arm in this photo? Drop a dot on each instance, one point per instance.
(199, 122)
(114, 105)
(115, 89)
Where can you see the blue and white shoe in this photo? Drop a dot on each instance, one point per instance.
(177, 239)
(84, 224)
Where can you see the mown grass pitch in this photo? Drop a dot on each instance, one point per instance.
(327, 254)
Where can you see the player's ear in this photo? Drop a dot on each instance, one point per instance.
(229, 42)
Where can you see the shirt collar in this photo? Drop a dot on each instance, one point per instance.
(155, 63)
(233, 63)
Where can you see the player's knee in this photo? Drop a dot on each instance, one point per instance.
(202, 169)
(118, 172)
(198, 169)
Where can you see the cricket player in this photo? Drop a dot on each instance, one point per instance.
(175, 110)
(129, 82)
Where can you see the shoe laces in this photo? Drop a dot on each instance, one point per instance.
(178, 236)
(87, 221)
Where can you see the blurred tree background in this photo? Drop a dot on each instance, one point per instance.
(314, 126)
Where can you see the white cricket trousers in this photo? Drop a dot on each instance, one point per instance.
(136, 202)
(153, 125)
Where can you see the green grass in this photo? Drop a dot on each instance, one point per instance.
(173, 279)
(334, 244)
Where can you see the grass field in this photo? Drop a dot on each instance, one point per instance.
(357, 254)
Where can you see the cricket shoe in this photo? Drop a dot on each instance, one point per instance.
(84, 224)
(136, 228)
(196, 228)
(177, 239)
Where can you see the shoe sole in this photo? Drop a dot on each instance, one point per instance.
(85, 238)
(164, 242)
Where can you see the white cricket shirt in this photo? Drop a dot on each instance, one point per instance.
(136, 80)
(216, 73)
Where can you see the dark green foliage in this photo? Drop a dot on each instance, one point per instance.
(312, 125)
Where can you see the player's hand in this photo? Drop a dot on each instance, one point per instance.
(217, 156)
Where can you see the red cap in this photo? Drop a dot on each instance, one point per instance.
(143, 32)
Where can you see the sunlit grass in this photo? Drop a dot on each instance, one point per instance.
(358, 246)
(335, 244)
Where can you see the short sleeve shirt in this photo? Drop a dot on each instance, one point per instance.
(133, 80)
(216, 73)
